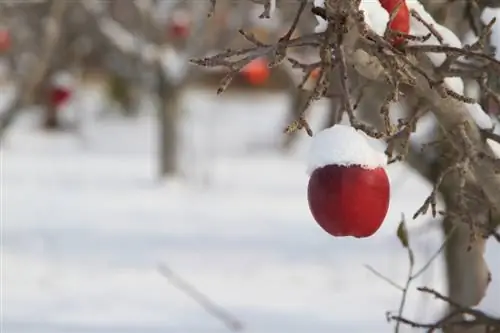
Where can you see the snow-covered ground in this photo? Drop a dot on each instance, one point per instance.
(85, 226)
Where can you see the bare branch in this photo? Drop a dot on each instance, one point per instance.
(230, 321)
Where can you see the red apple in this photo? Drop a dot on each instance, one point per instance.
(61, 90)
(179, 30)
(4, 40)
(315, 73)
(256, 72)
(349, 190)
(59, 95)
(349, 200)
(179, 26)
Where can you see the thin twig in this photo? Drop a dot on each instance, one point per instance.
(231, 322)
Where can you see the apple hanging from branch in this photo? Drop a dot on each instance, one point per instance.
(256, 72)
(349, 190)
(399, 19)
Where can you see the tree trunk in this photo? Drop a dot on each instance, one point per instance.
(169, 95)
(467, 272)
(51, 121)
(51, 116)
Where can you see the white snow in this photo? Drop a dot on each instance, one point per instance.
(456, 84)
(343, 145)
(83, 229)
(174, 63)
(322, 24)
(486, 16)
(418, 29)
(273, 7)
(482, 120)
(469, 38)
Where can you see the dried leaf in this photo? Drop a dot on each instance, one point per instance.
(402, 233)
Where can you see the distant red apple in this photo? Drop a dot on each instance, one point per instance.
(179, 30)
(5, 40)
(59, 95)
(315, 73)
(349, 200)
(179, 25)
(256, 72)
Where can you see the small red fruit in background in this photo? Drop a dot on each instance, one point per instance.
(401, 18)
(256, 72)
(179, 30)
(59, 96)
(315, 73)
(179, 26)
(349, 190)
(61, 90)
(5, 40)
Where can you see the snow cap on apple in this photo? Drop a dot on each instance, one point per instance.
(348, 190)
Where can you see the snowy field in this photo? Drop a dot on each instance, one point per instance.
(86, 224)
